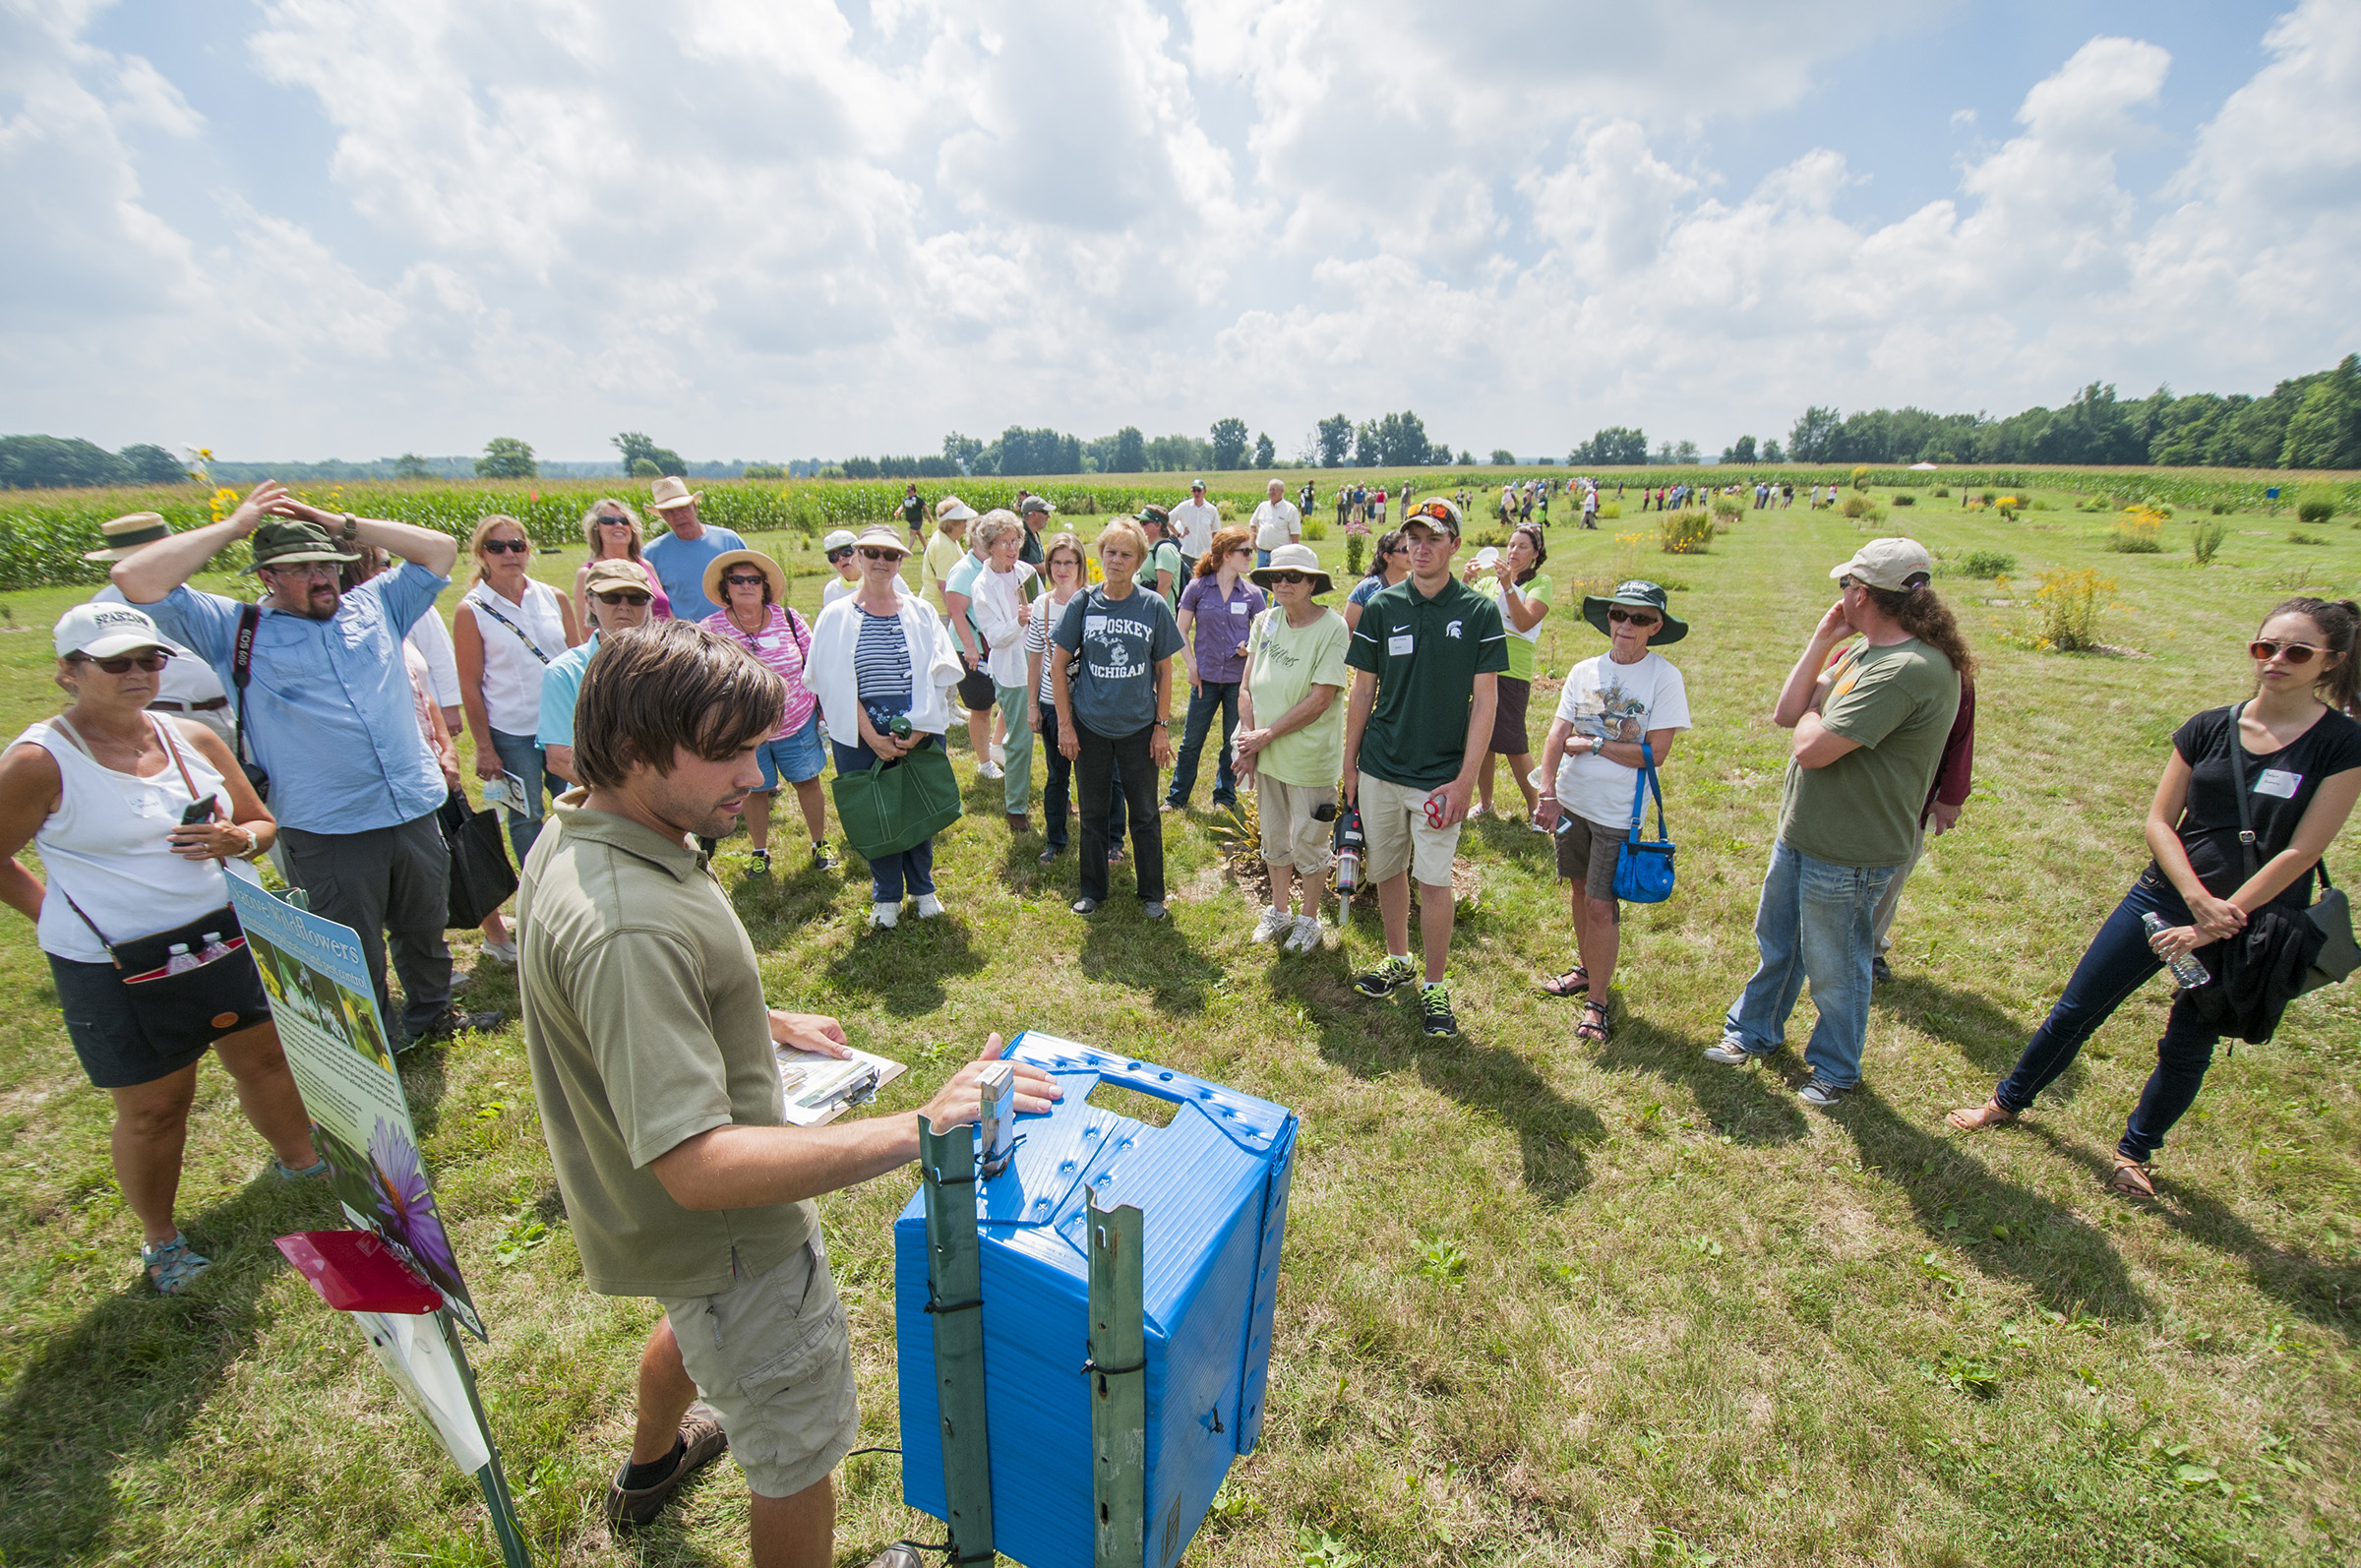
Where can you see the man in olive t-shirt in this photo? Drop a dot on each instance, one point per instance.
(1869, 733)
(656, 1073)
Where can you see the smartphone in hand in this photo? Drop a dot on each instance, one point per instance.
(197, 812)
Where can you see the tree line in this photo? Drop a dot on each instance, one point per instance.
(51, 463)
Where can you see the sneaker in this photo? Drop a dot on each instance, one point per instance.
(701, 1438)
(1274, 922)
(884, 916)
(758, 860)
(929, 906)
(1729, 1054)
(1532, 827)
(1307, 934)
(1153, 909)
(1879, 969)
(901, 1554)
(1386, 979)
(1820, 1092)
(1171, 805)
(501, 952)
(823, 860)
(1434, 1011)
(1086, 906)
(988, 770)
(1477, 809)
(1049, 855)
(455, 1023)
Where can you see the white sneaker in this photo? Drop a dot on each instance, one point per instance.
(1307, 938)
(987, 769)
(929, 906)
(501, 952)
(1274, 922)
(1474, 810)
(1000, 753)
(883, 917)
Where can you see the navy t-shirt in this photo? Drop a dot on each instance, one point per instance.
(2280, 789)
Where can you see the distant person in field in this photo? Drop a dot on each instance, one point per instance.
(1275, 522)
(1035, 512)
(1195, 521)
(1869, 723)
(2251, 796)
(683, 554)
(914, 515)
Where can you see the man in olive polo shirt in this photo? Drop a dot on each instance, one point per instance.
(1427, 659)
(653, 1068)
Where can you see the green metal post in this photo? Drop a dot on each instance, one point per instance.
(490, 1478)
(946, 1163)
(1119, 1388)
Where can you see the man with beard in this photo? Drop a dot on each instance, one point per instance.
(651, 1049)
(327, 712)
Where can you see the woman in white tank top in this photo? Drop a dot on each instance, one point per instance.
(507, 629)
(100, 792)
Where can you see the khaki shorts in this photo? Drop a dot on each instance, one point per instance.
(773, 1355)
(1586, 853)
(1291, 834)
(1394, 817)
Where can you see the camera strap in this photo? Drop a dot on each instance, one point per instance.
(241, 667)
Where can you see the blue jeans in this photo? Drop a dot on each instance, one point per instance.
(892, 877)
(1812, 924)
(2117, 963)
(521, 756)
(1209, 696)
(1262, 558)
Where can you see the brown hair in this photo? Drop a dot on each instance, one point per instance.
(1921, 612)
(1225, 540)
(665, 685)
(1067, 541)
(591, 526)
(1541, 550)
(2337, 619)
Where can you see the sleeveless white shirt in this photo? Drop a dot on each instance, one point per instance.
(512, 674)
(106, 846)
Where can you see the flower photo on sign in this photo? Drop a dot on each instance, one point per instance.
(405, 1205)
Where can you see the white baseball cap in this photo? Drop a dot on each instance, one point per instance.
(840, 539)
(104, 630)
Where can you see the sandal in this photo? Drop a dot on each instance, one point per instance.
(1593, 1027)
(1575, 982)
(172, 1268)
(2132, 1178)
(287, 1173)
(1974, 1118)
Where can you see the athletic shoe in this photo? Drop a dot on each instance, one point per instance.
(1274, 922)
(1820, 1092)
(1879, 969)
(701, 1438)
(988, 770)
(1434, 1010)
(884, 916)
(1153, 909)
(1086, 906)
(1477, 809)
(1386, 979)
(929, 906)
(1729, 1054)
(759, 860)
(1307, 933)
(821, 858)
(501, 952)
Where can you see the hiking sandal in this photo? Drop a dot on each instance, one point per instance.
(1575, 982)
(1974, 1118)
(172, 1268)
(1593, 1027)
(2132, 1178)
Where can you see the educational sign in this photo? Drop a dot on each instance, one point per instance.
(336, 1047)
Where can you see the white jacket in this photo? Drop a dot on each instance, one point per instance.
(994, 606)
(935, 667)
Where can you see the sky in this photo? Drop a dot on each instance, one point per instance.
(768, 229)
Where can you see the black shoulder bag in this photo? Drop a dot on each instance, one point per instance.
(2340, 954)
(241, 670)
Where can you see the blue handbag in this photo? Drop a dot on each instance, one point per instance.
(1643, 868)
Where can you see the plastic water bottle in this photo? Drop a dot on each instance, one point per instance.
(179, 962)
(212, 948)
(2185, 969)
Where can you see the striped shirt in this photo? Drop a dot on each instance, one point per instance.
(779, 648)
(1037, 639)
(882, 663)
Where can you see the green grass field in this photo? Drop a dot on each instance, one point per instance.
(1542, 1302)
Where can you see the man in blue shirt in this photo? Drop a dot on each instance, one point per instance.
(681, 555)
(328, 715)
(619, 601)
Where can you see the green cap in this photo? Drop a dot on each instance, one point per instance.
(282, 542)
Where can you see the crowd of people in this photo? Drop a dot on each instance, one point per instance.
(629, 727)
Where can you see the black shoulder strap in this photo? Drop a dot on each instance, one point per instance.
(241, 670)
(2246, 819)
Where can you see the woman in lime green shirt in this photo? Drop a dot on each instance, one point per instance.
(1515, 580)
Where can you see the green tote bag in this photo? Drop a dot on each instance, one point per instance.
(896, 805)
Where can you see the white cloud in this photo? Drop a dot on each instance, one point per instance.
(773, 227)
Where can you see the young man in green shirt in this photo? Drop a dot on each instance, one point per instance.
(653, 1054)
(1426, 660)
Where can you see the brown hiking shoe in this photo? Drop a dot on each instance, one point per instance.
(702, 1437)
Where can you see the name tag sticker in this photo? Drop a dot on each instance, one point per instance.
(1398, 644)
(2276, 781)
(1094, 626)
(1240, 608)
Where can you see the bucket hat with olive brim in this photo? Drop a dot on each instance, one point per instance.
(1639, 593)
(291, 542)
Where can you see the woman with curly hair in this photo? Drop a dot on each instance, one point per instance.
(1216, 610)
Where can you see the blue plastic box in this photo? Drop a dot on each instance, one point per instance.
(1212, 1191)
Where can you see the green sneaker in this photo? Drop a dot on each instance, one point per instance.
(1386, 979)
(1435, 1009)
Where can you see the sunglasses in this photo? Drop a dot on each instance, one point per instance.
(2295, 653)
(625, 597)
(152, 661)
(1431, 509)
(1635, 619)
(614, 522)
(835, 556)
(1290, 579)
(512, 547)
(868, 554)
(744, 579)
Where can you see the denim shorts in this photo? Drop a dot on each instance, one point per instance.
(797, 759)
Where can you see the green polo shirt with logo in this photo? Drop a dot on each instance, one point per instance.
(644, 1025)
(1426, 654)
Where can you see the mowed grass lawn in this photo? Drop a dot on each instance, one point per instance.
(1542, 1303)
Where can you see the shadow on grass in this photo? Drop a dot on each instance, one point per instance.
(1123, 946)
(1372, 1039)
(1968, 1020)
(773, 906)
(2051, 1251)
(2325, 1294)
(1747, 1107)
(129, 1378)
(903, 970)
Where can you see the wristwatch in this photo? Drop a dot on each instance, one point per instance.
(352, 527)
